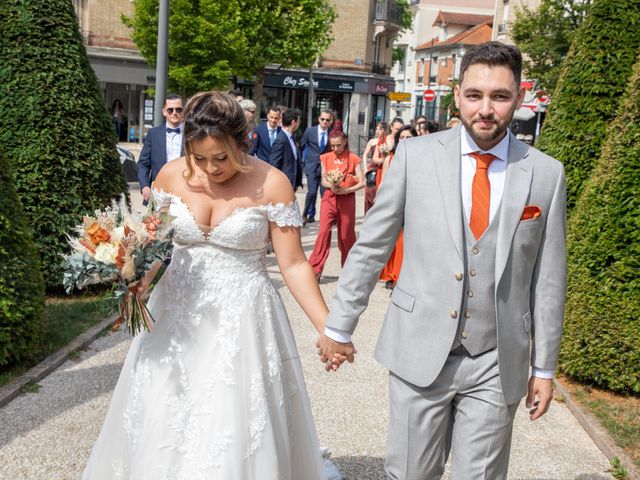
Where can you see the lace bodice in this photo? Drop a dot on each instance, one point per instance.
(246, 228)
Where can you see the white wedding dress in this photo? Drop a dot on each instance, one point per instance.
(216, 390)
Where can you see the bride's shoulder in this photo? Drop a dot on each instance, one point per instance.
(277, 188)
(171, 175)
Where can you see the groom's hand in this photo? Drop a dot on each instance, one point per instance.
(333, 353)
(539, 396)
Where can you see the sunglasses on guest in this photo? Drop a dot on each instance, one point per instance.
(170, 110)
(325, 119)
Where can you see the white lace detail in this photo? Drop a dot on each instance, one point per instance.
(215, 391)
(285, 215)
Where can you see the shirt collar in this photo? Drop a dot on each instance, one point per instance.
(468, 145)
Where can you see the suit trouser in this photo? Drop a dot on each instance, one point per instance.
(341, 211)
(313, 183)
(463, 412)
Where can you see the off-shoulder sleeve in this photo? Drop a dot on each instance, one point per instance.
(285, 214)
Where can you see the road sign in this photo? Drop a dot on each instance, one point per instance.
(399, 96)
(429, 95)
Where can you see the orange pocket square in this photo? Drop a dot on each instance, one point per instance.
(530, 212)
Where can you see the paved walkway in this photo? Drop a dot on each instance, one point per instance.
(48, 435)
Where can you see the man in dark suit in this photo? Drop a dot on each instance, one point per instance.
(161, 145)
(315, 142)
(285, 154)
(266, 134)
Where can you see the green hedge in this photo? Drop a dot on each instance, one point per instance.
(21, 285)
(54, 128)
(601, 342)
(593, 80)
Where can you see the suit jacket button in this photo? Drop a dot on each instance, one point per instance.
(467, 315)
(464, 334)
(470, 293)
(453, 313)
(459, 276)
(475, 250)
(472, 272)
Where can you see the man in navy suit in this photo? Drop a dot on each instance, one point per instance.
(161, 145)
(315, 142)
(266, 134)
(285, 154)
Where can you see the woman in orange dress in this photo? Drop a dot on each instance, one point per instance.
(391, 270)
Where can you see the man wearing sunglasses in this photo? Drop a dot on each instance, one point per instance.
(161, 145)
(315, 142)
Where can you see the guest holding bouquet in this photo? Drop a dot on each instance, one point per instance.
(342, 176)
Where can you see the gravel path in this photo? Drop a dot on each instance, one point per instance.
(48, 434)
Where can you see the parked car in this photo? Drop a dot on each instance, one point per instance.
(128, 162)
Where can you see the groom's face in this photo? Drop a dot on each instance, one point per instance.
(487, 98)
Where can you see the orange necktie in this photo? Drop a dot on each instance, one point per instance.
(480, 194)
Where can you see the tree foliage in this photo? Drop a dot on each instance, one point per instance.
(601, 344)
(590, 87)
(21, 285)
(211, 40)
(544, 36)
(54, 128)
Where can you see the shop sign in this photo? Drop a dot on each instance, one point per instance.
(295, 81)
(382, 88)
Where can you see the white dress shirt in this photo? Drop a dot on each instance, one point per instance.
(174, 143)
(497, 173)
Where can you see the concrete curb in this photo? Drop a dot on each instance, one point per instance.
(12, 389)
(597, 433)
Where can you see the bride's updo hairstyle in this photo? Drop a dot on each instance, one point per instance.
(218, 115)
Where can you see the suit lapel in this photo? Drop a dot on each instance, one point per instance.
(163, 141)
(516, 191)
(447, 163)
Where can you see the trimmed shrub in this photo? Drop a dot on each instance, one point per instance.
(21, 285)
(585, 101)
(601, 344)
(54, 127)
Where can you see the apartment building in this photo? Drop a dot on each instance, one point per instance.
(505, 15)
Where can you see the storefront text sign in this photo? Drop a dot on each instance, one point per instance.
(293, 81)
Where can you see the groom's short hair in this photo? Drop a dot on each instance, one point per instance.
(493, 54)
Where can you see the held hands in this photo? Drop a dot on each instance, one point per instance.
(333, 354)
(539, 396)
(339, 190)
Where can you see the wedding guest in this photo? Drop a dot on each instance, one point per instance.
(338, 204)
(372, 169)
(161, 145)
(391, 270)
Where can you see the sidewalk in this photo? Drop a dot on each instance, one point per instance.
(48, 435)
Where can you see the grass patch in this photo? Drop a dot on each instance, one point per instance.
(618, 414)
(65, 317)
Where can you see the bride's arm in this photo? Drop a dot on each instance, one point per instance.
(296, 271)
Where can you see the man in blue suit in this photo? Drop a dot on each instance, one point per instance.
(285, 154)
(266, 134)
(161, 145)
(315, 142)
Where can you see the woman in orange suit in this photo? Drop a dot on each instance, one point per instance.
(391, 270)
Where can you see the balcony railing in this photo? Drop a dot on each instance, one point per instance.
(388, 11)
(380, 68)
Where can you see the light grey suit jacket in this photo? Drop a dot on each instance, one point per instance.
(421, 194)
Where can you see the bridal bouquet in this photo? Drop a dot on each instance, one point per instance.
(384, 149)
(113, 247)
(334, 177)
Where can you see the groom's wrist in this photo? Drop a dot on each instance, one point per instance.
(542, 373)
(337, 335)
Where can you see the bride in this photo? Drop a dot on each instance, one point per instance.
(216, 391)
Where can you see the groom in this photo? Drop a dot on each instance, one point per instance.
(480, 297)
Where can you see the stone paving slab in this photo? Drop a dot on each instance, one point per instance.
(48, 434)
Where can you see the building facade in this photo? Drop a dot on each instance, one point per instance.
(442, 31)
(123, 74)
(505, 15)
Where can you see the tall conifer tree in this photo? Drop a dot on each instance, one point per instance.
(54, 127)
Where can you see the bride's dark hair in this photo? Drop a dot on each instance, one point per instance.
(218, 115)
